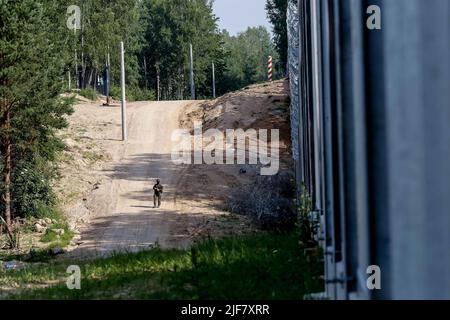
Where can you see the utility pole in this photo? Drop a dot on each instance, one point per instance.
(76, 59)
(77, 77)
(124, 103)
(106, 79)
(82, 63)
(108, 75)
(145, 72)
(192, 73)
(214, 80)
(158, 83)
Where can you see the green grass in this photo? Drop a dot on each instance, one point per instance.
(55, 240)
(266, 266)
(50, 237)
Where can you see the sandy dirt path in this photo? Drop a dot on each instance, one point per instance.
(128, 221)
(107, 184)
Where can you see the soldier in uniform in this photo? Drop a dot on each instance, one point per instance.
(158, 189)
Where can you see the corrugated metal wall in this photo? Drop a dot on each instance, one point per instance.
(374, 143)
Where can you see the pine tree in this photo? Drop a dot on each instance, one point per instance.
(33, 57)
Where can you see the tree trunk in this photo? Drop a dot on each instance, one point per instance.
(91, 73)
(5, 149)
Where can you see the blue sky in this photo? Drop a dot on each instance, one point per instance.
(238, 15)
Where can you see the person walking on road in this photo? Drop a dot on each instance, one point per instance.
(158, 189)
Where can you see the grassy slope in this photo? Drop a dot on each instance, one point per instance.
(250, 267)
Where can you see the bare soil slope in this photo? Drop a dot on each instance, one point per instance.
(262, 106)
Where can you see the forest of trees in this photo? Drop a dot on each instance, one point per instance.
(157, 36)
(277, 14)
(246, 60)
(38, 52)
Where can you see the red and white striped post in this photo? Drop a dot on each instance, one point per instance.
(270, 69)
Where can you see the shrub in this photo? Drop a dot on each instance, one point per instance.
(138, 94)
(89, 93)
(306, 225)
(32, 194)
(115, 93)
(269, 201)
(133, 93)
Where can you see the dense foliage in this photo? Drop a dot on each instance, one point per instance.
(33, 59)
(171, 26)
(277, 14)
(246, 60)
(104, 24)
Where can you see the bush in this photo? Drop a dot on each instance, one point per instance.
(305, 224)
(32, 193)
(89, 93)
(138, 94)
(133, 94)
(269, 201)
(115, 93)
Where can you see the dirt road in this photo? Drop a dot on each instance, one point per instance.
(127, 219)
(106, 185)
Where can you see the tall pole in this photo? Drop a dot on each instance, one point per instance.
(124, 103)
(76, 59)
(77, 77)
(157, 83)
(82, 63)
(192, 73)
(109, 58)
(145, 72)
(108, 74)
(214, 80)
(270, 69)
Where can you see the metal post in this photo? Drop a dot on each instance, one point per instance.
(76, 59)
(70, 84)
(157, 84)
(192, 73)
(124, 105)
(76, 70)
(145, 72)
(108, 74)
(82, 63)
(270, 69)
(106, 85)
(214, 80)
